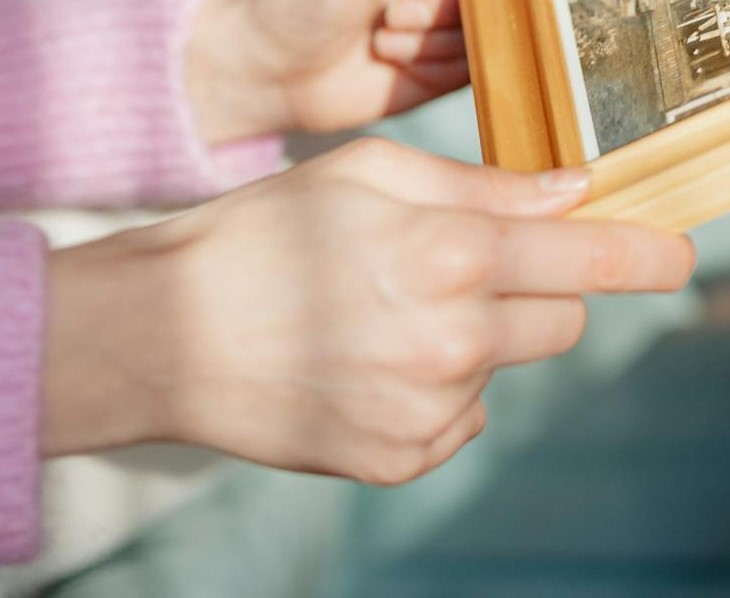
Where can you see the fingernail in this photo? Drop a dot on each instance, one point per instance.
(567, 181)
(408, 14)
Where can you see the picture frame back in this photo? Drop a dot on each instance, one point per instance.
(528, 122)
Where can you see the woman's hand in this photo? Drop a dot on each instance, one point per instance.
(341, 318)
(262, 66)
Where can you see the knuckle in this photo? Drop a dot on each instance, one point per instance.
(610, 264)
(399, 468)
(457, 356)
(457, 262)
(372, 149)
(448, 252)
(454, 254)
(362, 158)
(427, 421)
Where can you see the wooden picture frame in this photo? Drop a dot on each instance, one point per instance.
(675, 178)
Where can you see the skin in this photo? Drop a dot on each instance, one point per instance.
(341, 318)
(320, 66)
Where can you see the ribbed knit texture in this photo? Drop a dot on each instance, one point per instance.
(93, 109)
(22, 314)
(93, 113)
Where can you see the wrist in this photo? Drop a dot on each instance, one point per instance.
(98, 388)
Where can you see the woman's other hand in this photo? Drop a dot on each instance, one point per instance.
(264, 66)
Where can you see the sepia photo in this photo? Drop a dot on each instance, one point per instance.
(639, 65)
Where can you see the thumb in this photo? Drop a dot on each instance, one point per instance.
(423, 179)
(550, 193)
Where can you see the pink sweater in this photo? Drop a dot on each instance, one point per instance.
(92, 113)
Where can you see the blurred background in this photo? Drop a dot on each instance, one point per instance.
(602, 473)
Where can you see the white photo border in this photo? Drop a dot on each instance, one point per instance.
(577, 81)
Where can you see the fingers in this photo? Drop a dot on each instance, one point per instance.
(452, 256)
(423, 179)
(418, 15)
(430, 425)
(421, 30)
(462, 431)
(522, 254)
(423, 39)
(558, 258)
(462, 342)
(398, 461)
(442, 76)
(407, 47)
(537, 329)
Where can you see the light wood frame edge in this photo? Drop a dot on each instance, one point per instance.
(557, 91)
(636, 171)
(507, 85)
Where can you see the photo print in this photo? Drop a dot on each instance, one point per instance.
(637, 66)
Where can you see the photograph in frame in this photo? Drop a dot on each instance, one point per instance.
(637, 66)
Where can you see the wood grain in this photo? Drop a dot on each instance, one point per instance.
(678, 198)
(661, 150)
(513, 125)
(556, 86)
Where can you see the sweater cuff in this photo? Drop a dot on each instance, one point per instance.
(22, 323)
(94, 111)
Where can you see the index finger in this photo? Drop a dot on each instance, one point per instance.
(552, 258)
(565, 258)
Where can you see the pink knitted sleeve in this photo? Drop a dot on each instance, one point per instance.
(93, 110)
(22, 318)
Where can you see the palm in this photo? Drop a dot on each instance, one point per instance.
(325, 56)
